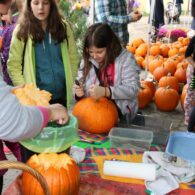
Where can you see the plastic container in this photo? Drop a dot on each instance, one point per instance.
(182, 144)
(159, 126)
(54, 137)
(130, 138)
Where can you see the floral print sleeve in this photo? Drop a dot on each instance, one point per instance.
(190, 95)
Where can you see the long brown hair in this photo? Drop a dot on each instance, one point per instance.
(31, 26)
(101, 35)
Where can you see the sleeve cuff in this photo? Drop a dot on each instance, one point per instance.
(45, 115)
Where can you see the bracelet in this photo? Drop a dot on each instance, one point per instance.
(105, 92)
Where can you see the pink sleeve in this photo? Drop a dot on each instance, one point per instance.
(45, 115)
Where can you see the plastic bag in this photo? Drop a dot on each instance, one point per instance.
(54, 138)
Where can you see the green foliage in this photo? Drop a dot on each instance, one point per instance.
(77, 20)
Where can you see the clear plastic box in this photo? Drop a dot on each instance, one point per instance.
(130, 138)
(160, 127)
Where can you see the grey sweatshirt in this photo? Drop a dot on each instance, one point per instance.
(17, 122)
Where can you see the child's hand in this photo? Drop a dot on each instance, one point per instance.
(79, 90)
(96, 91)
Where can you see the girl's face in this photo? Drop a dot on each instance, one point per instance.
(98, 54)
(41, 9)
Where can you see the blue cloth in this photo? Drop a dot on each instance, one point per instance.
(50, 74)
(115, 14)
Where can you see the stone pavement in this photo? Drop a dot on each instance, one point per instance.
(138, 29)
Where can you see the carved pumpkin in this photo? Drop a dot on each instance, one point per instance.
(166, 99)
(31, 95)
(95, 116)
(60, 171)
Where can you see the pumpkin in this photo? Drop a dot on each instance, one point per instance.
(164, 50)
(141, 50)
(170, 81)
(166, 99)
(180, 74)
(159, 72)
(183, 96)
(173, 51)
(154, 64)
(95, 116)
(139, 60)
(151, 84)
(144, 96)
(131, 48)
(155, 50)
(170, 67)
(60, 171)
(31, 95)
(137, 42)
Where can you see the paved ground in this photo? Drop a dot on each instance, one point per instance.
(139, 29)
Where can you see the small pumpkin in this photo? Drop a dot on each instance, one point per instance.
(60, 171)
(151, 84)
(170, 81)
(180, 74)
(95, 116)
(159, 72)
(183, 96)
(166, 99)
(144, 96)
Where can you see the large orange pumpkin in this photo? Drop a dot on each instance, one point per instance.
(60, 171)
(95, 116)
(166, 99)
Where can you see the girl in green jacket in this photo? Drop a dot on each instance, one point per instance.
(43, 51)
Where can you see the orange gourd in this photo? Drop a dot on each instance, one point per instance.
(95, 116)
(60, 171)
(166, 99)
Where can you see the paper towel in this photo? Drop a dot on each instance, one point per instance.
(130, 170)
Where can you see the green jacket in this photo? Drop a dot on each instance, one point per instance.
(69, 55)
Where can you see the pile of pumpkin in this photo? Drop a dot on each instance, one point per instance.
(167, 65)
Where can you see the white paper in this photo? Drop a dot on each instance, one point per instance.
(130, 170)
